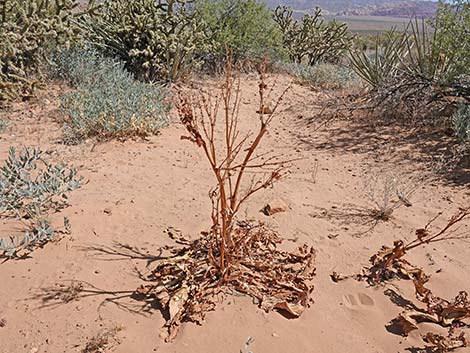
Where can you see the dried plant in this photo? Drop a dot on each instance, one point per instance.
(447, 343)
(389, 263)
(103, 341)
(233, 255)
(63, 293)
(387, 191)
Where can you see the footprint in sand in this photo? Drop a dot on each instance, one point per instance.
(355, 301)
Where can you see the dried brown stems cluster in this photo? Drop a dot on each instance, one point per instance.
(389, 263)
(233, 255)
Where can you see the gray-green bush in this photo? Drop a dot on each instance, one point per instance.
(30, 190)
(324, 75)
(461, 122)
(107, 101)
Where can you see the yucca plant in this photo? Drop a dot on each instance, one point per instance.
(427, 57)
(385, 60)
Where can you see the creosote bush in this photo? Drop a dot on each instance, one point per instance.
(107, 101)
(30, 190)
(244, 26)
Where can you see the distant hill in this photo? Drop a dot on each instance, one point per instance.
(390, 8)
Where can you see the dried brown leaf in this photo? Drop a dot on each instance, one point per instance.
(446, 344)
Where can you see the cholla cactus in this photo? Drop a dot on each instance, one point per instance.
(27, 28)
(312, 39)
(156, 39)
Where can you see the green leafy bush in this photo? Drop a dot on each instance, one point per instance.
(28, 28)
(157, 40)
(452, 27)
(312, 39)
(244, 26)
(31, 189)
(324, 75)
(107, 102)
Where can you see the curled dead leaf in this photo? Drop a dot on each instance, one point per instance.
(294, 309)
(177, 302)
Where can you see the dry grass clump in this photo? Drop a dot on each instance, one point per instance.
(233, 255)
(103, 341)
(387, 191)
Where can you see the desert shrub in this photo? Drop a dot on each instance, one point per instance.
(157, 40)
(28, 28)
(30, 190)
(324, 75)
(416, 75)
(452, 24)
(312, 39)
(107, 102)
(245, 26)
(461, 122)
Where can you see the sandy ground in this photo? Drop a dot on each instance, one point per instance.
(138, 189)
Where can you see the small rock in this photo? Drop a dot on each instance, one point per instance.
(275, 206)
(107, 210)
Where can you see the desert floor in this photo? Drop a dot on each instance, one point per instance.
(136, 190)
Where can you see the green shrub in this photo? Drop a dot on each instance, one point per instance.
(461, 122)
(452, 26)
(28, 28)
(157, 40)
(312, 40)
(327, 76)
(108, 102)
(30, 190)
(244, 26)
